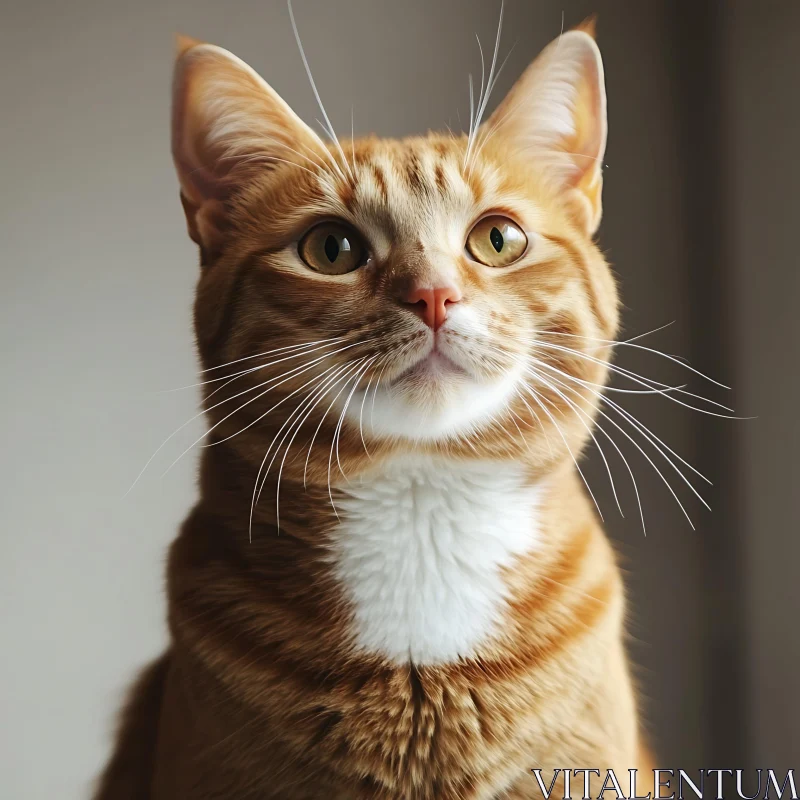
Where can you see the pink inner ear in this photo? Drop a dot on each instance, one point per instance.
(556, 110)
(200, 173)
(590, 124)
(224, 114)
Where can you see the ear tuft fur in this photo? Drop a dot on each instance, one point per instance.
(555, 115)
(184, 43)
(589, 25)
(227, 123)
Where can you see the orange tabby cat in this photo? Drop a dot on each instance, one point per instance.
(393, 585)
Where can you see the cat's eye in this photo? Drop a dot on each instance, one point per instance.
(496, 241)
(332, 248)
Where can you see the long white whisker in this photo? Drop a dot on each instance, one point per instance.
(192, 419)
(306, 405)
(260, 367)
(590, 432)
(337, 430)
(535, 397)
(485, 95)
(471, 115)
(353, 135)
(482, 139)
(331, 131)
(654, 390)
(627, 466)
(654, 466)
(270, 410)
(647, 333)
(483, 87)
(259, 484)
(361, 411)
(539, 421)
(630, 343)
(285, 377)
(314, 400)
(313, 379)
(649, 383)
(336, 437)
(232, 376)
(660, 446)
(643, 429)
(313, 438)
(270, 352)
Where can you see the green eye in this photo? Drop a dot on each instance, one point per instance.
(332, 248)
(496, 241)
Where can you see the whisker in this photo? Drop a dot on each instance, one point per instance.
(482, 139)
(616, 447)
(286, 376)
(313, 438)
(266, 413)
(231, 377)
(643, 429)
(259, 484)
(270, 352)
(647, 333)
(630, 343)
(535, 396)
(306, 405)
(655, 467)
(260, 367)
(199, 414)
(591, 434)
(361, 411)
(665, 387)
(331, 131)
(648, 382)
(484, 98)
(337, 431)
(265, 157)
(353, 135)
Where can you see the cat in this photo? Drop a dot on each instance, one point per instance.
(394, 584)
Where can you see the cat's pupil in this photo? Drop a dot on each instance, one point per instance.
(331, 248)
(496, 238)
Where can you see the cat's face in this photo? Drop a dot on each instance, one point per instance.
(416, 285)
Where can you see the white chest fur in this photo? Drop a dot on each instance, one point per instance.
(419, 551)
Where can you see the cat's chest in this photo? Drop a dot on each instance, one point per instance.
(420, 550)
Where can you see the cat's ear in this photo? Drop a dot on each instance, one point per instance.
(555, 115)
(226, 122)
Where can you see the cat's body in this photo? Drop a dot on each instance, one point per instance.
(416, 600)
(261, 705)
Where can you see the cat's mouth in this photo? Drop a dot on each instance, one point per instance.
(434, 367)
(436, 393)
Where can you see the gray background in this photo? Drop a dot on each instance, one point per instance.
(97, 279)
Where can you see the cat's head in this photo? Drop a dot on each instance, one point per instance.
(433, 286)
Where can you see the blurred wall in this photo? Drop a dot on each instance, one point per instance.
(761, 67)
(97, 279)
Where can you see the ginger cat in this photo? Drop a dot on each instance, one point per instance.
(393, 584)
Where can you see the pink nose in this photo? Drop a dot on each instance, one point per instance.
(430, 305)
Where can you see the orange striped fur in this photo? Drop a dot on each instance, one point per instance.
(279, 681)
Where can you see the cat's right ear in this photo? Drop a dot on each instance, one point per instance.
(226, 122)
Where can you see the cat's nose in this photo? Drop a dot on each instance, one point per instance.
(430, 304)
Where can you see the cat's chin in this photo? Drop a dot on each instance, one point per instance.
(433, 400)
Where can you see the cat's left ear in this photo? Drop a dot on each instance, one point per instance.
(555, 115)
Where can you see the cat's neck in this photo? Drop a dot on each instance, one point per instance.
(418, 563)
(421, 549)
